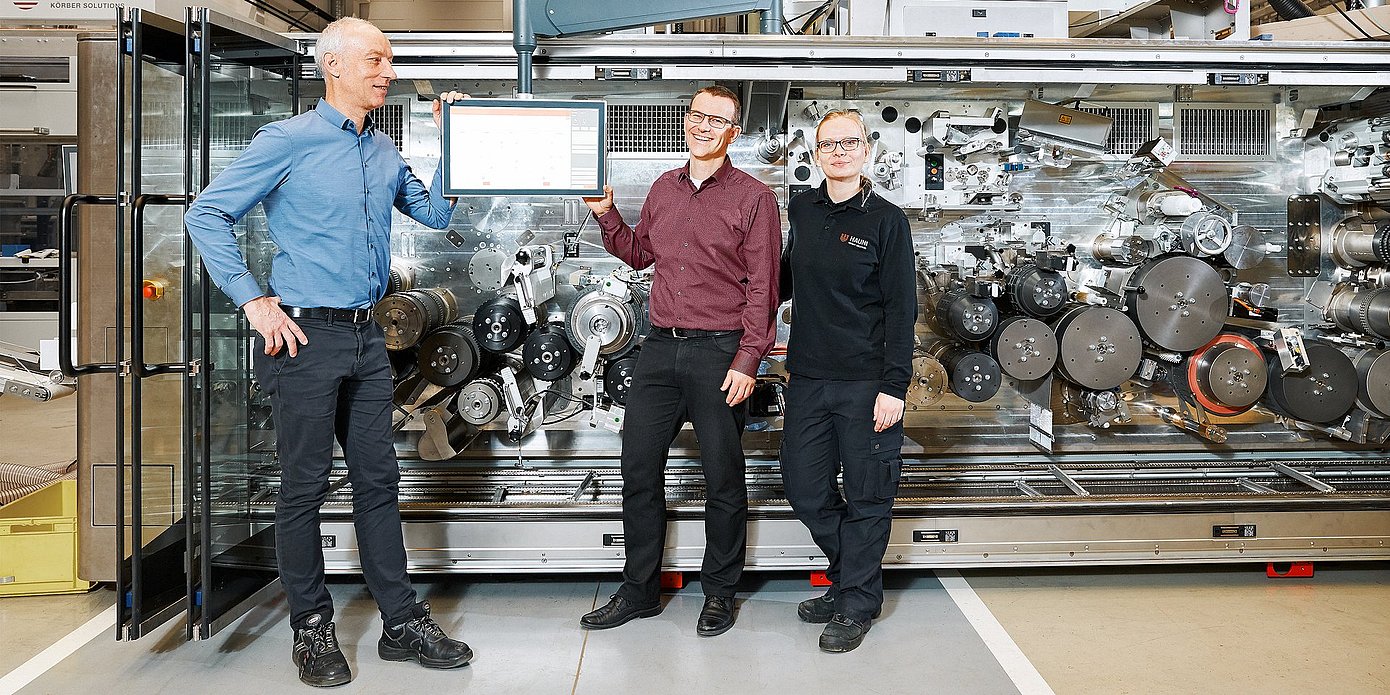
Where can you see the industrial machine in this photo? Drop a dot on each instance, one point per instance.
(1152, 279)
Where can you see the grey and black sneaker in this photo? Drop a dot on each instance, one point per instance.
(422, 640)
(316, 654)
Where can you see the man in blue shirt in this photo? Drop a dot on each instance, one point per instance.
(328, 181)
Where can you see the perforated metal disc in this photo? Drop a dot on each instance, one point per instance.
(1228, 375)
(1326, 392)
(597, 313)
(1373, 367)
(975, 376)
(499, 325)
(1099, 347)
(928, 382)
(487, 269)
(1182, 302)
(450, 356)
(480, 401)
(1025, 348)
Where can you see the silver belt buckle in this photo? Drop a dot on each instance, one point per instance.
(361, 315)
(677, 333)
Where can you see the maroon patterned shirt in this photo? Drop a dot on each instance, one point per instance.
(717, 252)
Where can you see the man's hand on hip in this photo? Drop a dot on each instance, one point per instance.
(274, 325)
(739, 386)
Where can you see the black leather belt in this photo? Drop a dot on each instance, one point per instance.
(328, 314)
(685, 333)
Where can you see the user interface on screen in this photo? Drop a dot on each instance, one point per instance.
(523, 147)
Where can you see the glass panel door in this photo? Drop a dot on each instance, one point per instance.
(242, 79)
(153, 539)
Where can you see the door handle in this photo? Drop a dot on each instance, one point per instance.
(65, 234)
(137, 273)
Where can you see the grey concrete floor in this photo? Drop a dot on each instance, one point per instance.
(1202, 629)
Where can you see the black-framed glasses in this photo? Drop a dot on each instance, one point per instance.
(715, 122)
(847, 144)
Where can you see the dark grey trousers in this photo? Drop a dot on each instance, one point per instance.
(678, 381)
(338, 387)
(829, 429)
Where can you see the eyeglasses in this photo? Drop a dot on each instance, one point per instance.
(715, 122)
(848, 145)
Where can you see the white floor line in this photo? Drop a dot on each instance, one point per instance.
(13, 681)
(1019, 669)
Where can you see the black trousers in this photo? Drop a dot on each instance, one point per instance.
(678, 381)
(828, 430)
(339, 386)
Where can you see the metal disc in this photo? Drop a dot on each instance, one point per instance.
(547, 354)
(1181, 302)
(617, 378)
(599, 314)
(1373, 367)
(1228, 375)
(1099, 347)
(1247, 249)
(403, 320)
(1037, 292)
(488, 269)
(1325, 392)
(499, 325)
(928, 382)
(964, 317)
(1205, 234)
(450, 355)
(975, 376)
(1025, 348)
(480, 401)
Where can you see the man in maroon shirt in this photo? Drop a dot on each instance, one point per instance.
(715, 236)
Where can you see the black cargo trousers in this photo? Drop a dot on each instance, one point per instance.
(338, 387)
(828, 429)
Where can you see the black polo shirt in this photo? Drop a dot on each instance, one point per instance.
(849, 270)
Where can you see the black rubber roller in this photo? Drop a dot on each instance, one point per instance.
(1323, 393)
(964, 317)
(547, 353)
(617, 378)
(450, 356)
(975, 376)
(1036, 292)
(499, 325)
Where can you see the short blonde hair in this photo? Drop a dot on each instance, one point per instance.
(851, 114)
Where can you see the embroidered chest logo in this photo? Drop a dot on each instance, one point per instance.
(854, 241)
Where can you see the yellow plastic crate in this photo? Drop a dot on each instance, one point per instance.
(38, 543)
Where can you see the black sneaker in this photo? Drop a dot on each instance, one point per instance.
(816, 610)
(422, 640)
(316, 654)
(843, 633)
(616, 612)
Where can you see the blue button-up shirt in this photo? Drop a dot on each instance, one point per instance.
(328, 194)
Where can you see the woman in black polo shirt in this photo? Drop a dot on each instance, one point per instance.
(848, 269)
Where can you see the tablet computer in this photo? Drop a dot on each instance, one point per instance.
(494, 147)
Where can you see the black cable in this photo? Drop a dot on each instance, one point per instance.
(1352, 22)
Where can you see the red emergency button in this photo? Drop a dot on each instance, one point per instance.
(152, 289)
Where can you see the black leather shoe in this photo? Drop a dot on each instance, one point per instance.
(716, 617)
(616, 612)
(316, 654)
(816, 610)
(422, 640)
(820, 610)
(843, 634)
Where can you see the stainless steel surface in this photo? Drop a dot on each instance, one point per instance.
(1179, 302)
(1025, 348)
(1099, 347)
